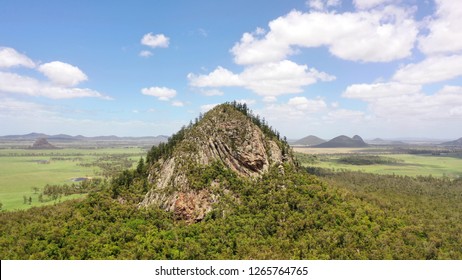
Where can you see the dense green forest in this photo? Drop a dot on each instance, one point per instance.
(292, 216)
(289, 212)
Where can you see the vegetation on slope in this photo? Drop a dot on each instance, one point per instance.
(279, 215)
(291, 216)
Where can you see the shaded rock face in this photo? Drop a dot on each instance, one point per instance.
(224, 135)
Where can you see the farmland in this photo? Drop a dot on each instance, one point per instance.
(419, 161)
(24, 173)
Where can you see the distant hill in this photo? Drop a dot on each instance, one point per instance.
(310, 140)
(380, 141)
(457, 143)
(343, 141)
(42, 144)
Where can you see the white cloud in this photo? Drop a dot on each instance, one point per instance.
(17, 84)
(220, 77)
(155, 41)
(145, 53)
(270, 99)
(10, 58)
(367, 4)
(321, 5)
(401, 102)
(445, 34)
(269, 79)
(283, 77)
(16, 108)
(162, 93)
(430, 70)
(211, 92)
(379, 35)
(305, 104)
(368, 92)
(344, 115)
(177, 104)
(62, 74)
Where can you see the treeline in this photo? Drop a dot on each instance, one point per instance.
(366, 160)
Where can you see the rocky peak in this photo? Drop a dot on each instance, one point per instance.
(42, 143)
(229, 136)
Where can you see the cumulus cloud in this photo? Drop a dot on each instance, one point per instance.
(18, 84)
(11, 58)
(401, 101)
(430, 70)
(370, 92)
(62, 74)
(155, 41)
(269, 79)
(378, 35)
(444, 32)
(220, 77)
(305, 104)
(162, 93)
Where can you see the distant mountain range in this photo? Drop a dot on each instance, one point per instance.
(64, 137)
(343, 141)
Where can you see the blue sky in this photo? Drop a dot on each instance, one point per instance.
(377, 68)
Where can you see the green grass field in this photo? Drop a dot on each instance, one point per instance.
(406, 164)
(23, 170)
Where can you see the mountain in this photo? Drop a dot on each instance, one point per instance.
(227, 139)
(380, 141)
(455, 143)
(343, 141)
(65, 137)
(42, 144)
(310, 140)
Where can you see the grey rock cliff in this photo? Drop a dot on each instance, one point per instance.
(224, 135)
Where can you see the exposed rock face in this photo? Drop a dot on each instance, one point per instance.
(224, 135)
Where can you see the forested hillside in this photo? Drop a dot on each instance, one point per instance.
(281, 212)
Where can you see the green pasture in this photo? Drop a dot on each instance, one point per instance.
(407, 164)
(23, 170)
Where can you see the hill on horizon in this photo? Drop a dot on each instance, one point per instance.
(343, 141)
(309, 140)
(42, 144)
(455, 143)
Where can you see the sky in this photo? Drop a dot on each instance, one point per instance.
(376, 68)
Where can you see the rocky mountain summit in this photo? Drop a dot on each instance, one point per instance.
(187, 173)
